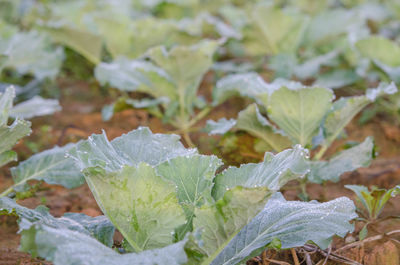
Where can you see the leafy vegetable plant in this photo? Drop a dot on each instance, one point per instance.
(305, 115)
(173, 208)
(51, 165)
(372, 202)
(171, 78)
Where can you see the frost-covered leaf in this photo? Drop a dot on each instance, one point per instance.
(142, 205)
(51, 166)
(232, 212)
(219, 127)
(311, 67)
(299, 112)
(193, 177)
(292, 223)
(33, 53)
(380, 49)
(67, 247)
(246, 85)
(36, 106)
(98, 227)
(251, 121)
(137, 75)
(274, 172)
(6, 103)
(351, 159)
(10, 135)
(137, 146)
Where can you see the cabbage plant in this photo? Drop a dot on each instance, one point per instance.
(287, 113)
(51, 165)
(171, 78)
(172, 207)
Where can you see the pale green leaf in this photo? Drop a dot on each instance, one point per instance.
(36, 106)
(346, 108)
(67, 247)
(219, 127)
(246, 85)
(273, 31)
(299, 111)
(51, 166)
(6, 103)
(351, 159)
(137, 146)
(193, 177)
(7, 157)
(32, 53)
(10, 135)
(139, 203)
(251, 121)
(84, 42)
(136, 75)
(178, 63)
(99, 227)
(293, 223)
(380, 49)
(274, 172)
(221, 222)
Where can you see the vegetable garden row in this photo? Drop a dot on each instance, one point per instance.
(302, 72)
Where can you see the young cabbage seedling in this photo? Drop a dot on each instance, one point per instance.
(372, 203)
(171, 77)
(288, 113)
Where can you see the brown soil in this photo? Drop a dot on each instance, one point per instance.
(81, 117)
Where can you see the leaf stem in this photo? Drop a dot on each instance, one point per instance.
(7, 191)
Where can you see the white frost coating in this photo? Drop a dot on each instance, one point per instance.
(137, 146)
(36, 106)
(293, 223)
(384, 88)
(219, 127)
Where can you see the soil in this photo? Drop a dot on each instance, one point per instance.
(81, 117)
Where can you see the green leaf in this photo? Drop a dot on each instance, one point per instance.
(273, 31)
(346, 108)
(139, 203)
(219, 127)
(39, 58)
(51, 166)
(274, 172)
(136, 75)
(178, 63)
(84, 42)
(6, 103)
(299, 111)
(246, 85)
(10, 135)
(380, 49)
(231, 213)
(36, 106)
(193, 187)
(293, 223)
(351, 159)
(374, 201)
(68, 247)
(7, 157)
(251, 121)
(137, 146)
(99, 227)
